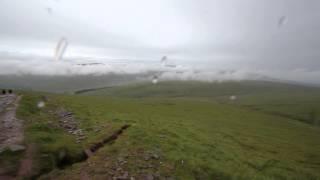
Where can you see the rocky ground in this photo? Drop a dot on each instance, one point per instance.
(11, 139)
(132, 165)
(146, 163)
(11, 129)
(68, 122)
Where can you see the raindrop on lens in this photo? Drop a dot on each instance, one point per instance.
(155, 80)
(41, 104)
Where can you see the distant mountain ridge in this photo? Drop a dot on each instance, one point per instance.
(71, 83)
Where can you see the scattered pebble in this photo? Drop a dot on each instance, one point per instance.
(70, 124)
(155, 156)
(15, 147)
(149, 177)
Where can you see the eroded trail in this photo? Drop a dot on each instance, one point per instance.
(11, 128)
(25, 169)
(11, 134)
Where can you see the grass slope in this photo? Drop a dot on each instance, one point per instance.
(288, 100)
(203, 137)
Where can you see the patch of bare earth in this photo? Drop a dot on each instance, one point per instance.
(11, 128)
(11, 131)
(25, 169)
(11, 136)
(68, 122)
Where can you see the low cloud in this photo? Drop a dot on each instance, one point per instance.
(35, 65)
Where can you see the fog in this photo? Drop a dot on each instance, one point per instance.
(203, 40)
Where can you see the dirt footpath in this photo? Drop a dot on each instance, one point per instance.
(11, 128)
(11, 136)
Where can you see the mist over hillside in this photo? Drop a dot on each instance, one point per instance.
(72, 83)
(65, 83)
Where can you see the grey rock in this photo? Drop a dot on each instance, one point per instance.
(62, 154)
(157, 174)
(2, 149)
(170, 178)
(146, 157)
(155, 156)
(120, 159)
(162, 136)
(124, 176)
(15, 147)
(149, 177)
(119, 169)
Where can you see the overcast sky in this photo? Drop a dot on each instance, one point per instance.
(276, 38)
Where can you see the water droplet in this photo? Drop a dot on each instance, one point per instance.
(281, 21)
(164, 60)
(61, 48)
(49, 10)
(155, 80)
(41, 104)
(233, 97)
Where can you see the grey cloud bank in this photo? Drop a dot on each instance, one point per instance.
(204, 38)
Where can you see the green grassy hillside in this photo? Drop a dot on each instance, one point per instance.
(292, 101)
(199, 134)
(199, 89)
